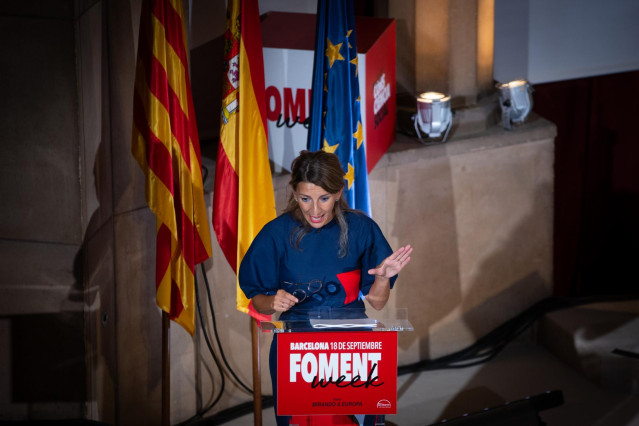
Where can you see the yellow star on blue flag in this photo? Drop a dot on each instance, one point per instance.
(359, 134)
(332, 52)
(330, 148)
(350, 176)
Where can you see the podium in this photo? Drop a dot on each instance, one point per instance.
(332, 361)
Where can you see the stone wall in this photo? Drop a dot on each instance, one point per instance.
(41, 303)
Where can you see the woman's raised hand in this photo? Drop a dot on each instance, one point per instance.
(393, 263)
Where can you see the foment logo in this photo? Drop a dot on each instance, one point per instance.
(383, 403)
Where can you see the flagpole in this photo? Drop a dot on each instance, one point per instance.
(257, 374)
(166, 371)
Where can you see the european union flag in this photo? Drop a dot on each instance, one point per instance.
(336, 124)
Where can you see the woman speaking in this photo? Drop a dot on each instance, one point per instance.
(318, 253)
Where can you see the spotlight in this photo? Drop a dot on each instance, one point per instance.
(515, 101)
(433, 117)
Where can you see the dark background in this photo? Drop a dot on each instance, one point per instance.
(596, 228)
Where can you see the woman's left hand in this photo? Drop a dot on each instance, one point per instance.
(393, 263)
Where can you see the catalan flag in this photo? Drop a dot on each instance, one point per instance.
(336, 124)
(167, 148)
(243, 200)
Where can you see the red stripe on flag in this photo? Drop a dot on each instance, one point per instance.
(174, 33)
(225, 207)
(200, 253)
(176, 301)
(184, 223)
(162, 254)
(158, 157)
(180, 127)
(154, 72)
(158, 83)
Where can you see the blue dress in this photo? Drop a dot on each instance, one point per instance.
(314, 272)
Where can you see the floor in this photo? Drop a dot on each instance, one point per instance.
(523, 369)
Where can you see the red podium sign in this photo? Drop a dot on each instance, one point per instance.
(348, 372)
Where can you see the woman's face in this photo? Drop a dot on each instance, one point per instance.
(317, 205)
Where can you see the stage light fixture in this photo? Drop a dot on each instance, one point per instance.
(515, 100)
(434, 117)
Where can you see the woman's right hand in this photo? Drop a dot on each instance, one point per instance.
(283, 301)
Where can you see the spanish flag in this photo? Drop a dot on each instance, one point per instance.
(243, 200)
(167, 148)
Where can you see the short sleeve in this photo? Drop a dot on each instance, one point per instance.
(259, 270)
(376, 250)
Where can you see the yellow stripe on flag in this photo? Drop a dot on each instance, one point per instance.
(200, 214)
(256, 198)
(158, 196)
(229, 138)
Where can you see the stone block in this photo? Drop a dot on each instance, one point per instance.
(39, 166)
(139, 320)
(101, 323)
(40, 278)
(96, 147)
